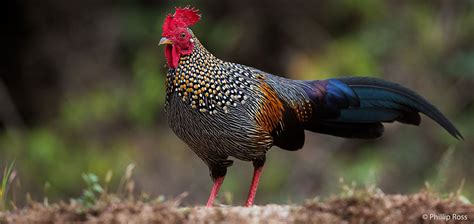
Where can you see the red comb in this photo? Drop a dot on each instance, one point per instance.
(188, 16)
(183, 17)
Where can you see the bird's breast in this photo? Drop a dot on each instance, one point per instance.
(218, 134)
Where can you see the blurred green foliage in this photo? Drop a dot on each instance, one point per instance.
(118, 118)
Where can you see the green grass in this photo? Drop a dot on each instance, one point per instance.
(7, 179)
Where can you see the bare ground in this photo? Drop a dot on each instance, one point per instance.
(423, 207)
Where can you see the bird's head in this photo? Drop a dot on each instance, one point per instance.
(177, 36)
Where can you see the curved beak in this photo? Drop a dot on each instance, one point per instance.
(165, 40)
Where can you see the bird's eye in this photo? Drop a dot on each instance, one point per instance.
(183, 35)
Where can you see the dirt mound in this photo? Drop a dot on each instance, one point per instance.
(370, 208)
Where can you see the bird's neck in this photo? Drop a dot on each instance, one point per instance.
(200, 57)
(198, 78)
(196, 66)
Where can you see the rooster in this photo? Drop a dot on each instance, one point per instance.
(222, 109)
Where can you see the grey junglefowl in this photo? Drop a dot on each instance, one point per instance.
(222, 109)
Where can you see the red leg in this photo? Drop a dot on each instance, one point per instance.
(215, 189)
(253, 187)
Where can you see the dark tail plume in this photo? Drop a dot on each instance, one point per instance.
(355, 107)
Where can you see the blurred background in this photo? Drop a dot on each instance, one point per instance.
(82, 90)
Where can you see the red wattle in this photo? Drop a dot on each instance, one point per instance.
(168, 55)
(172, 56)
(175, 56)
